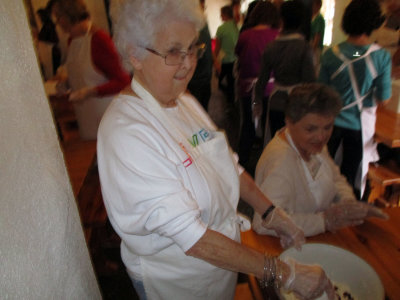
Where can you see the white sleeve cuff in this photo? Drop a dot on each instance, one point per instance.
(191, 235)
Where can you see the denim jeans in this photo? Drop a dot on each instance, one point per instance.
(139, 288)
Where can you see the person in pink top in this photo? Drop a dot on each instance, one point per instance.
(264, 23)
(93, 65)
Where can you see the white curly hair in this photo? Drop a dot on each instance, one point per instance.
(136, 22)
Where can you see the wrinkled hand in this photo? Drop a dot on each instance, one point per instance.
(62, 88)
(307, 281)
(81, 94)
(288, 232)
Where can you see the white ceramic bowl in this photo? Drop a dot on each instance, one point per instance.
(342, 267)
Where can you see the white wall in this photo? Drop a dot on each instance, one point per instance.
(337, 33)
(213, 8)
(43, 254)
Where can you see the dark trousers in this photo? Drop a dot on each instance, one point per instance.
(248, 132)
(201, 90)
(276, 121)
(352, 152)
(229, 89)
(277, 103)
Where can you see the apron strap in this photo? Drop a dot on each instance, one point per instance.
(346, 61)
(157, 110)
(291, 36)
(349, 64)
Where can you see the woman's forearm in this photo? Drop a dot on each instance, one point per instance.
(225, 253)
(221, 251)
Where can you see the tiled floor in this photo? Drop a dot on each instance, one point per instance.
(102, 240)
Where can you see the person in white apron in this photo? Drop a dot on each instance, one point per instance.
(289, 60)
(169, 179)
(360, 72)
(93, 66)
(315, 194)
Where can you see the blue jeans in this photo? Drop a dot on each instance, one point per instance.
(139, 288)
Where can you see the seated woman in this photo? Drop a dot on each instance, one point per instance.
(297, 173)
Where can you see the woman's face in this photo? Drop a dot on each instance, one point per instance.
(166, 82)
(311, 133)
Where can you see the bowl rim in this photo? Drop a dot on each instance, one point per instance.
(340, 249)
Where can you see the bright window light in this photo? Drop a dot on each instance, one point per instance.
(328, 11)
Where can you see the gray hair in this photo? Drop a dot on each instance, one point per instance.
(136, 22)
(312, 98)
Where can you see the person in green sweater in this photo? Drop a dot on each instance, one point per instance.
(224, 52)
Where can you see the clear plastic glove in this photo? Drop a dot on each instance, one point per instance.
(350, 214)
(306, 281)
(344, 214)
(374, 211)
(288, 232)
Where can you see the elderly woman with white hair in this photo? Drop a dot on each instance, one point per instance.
(170, 181)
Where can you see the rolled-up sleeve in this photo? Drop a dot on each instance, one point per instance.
(144, 192)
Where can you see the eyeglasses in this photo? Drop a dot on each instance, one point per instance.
(177, 57)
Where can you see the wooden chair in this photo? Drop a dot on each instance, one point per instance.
(255, 288)
(383, 177)
(248, 290)
(243, 292)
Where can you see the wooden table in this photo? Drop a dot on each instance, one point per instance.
(387, 129)
(376, 241)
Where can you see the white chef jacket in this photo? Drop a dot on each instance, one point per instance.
(157, 203)
(281, 174)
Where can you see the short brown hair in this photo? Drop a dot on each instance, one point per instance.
(315, 98)
(227, 11)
